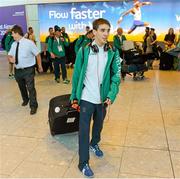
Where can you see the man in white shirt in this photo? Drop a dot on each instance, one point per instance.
(136, 11)
(23, 54)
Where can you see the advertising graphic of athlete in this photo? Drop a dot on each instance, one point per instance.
(136, 11)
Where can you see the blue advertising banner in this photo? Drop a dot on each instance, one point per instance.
(10, 16)
(159, 14)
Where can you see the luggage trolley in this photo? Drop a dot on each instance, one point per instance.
(133, 61)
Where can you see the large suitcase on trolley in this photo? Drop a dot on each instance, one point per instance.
(132, 56)
(134, 68)
(62, 117)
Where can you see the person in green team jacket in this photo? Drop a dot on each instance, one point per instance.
(118, 40)
(84, 40)
(57, 51)
(8, 42)
(95, 85)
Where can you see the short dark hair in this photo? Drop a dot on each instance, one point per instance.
(89, 32)
(100, 21)
(57, 28)
(30, 28)
(17, 29)
(50, 28)
(152, 29)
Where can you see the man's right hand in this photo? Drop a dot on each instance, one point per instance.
(62, 39)
(52, 55)
(74, 101)
(75, 105)
(40, 69)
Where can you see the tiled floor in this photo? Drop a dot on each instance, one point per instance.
(141, 135)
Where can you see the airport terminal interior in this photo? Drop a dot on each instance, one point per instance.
(140, 138)
(141, 131)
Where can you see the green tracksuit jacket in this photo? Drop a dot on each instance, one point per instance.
(117, 43)
(111, 78)
(53, 46)
(81, 42)
(8, 41)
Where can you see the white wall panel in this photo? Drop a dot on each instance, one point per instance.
(33, 21)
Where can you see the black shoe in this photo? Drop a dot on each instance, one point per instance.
(57, 80)
(33, 110)
(24, 103)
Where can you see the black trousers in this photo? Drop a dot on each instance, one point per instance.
(60, 61)
(25, 79)
(87, 110)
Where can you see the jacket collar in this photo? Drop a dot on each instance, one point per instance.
(110, 58)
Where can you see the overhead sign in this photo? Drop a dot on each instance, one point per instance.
(11, 16)
(160, 14)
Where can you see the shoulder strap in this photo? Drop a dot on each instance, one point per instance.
(83, 48)
(82, 55)
(82, 39)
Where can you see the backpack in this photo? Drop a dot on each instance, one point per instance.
(82, 39)
(3, 41)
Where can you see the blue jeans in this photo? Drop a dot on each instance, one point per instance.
(87, 110)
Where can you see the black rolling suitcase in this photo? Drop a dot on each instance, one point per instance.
(132, 56)
(62, 117)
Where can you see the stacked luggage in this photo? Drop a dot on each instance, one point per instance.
(133, 61)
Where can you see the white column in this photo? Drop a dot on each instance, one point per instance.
(33, 21)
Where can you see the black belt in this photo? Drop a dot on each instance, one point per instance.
(60, 57)
(24, 68)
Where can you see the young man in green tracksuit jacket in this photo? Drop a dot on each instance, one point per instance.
(95, 84)
(57, 52)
